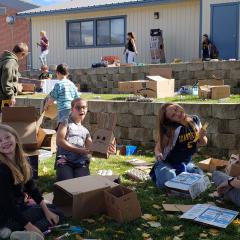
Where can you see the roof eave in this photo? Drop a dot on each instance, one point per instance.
(98, 8)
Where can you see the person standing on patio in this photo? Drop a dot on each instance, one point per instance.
(44, 44)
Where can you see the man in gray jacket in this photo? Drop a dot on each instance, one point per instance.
(9, 74)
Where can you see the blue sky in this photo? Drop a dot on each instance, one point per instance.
(48, 2)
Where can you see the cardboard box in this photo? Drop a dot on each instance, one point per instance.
(44, 137)
(215, 92)
(233, 167)
(51, 111)
(38, 83)
(163, 72)
(126, 87)
(24, 120)
(122, 204)
(176, 207)
(155, 87)
(208, 82)
(103, 136)
(82, 197)
(212, 164)
(28, 87)
(189, 183)
(33, 158)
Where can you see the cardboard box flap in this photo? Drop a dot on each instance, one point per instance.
(19, 114)
(158, 78)
(164, 72)
(211, 82)
(84, 184)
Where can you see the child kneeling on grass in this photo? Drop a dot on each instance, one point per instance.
(15, 182)
(74, 141)
(179, 136)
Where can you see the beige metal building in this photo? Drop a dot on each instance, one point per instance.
(80, 32)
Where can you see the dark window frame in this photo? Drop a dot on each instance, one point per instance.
(95, 45)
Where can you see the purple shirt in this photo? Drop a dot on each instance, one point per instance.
(44, 43)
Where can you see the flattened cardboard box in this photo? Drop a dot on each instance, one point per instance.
(24, 121)
(82, 197)
(212, 164)
(122, 204)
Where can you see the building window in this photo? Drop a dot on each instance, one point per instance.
(96, 32)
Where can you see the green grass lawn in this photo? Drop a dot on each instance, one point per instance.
(122, 97)
(171, 225)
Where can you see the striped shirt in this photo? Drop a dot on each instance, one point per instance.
(64, 92)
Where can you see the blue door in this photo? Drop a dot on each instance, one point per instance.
(224, 29)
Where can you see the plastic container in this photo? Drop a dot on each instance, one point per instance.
(130, 150)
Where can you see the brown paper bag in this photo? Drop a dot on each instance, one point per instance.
(233, 168)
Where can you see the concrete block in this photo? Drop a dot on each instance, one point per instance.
(118, 107)
(195, 66)
(231, 65)
(235, 74)
(212, 65)
(199, 75)
(156, 108)
(234, 126)
(219, 74)
(179, 67)
(97, 106)
(110, 84)
(121, 132)
(148, 145)
(101, 70)
(134, 69)
(183, 75)
(112, 70)
(201, 110)
(124, 70)
(226, 111)
(225, 141)
(124, 120)
(138, 108)
(138, 76)
(140, 134)
(149, 122)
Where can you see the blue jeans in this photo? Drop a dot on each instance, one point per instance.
(63, 114)
(163, 171)
(232, 195)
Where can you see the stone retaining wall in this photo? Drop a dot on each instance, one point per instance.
(137, 122)
(105, 80)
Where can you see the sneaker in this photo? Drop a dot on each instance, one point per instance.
(5, 233)
(25, 235)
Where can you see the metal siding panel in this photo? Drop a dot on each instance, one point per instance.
(179, 22)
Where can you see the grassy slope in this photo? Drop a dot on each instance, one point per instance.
(106, 229)
(180, 98)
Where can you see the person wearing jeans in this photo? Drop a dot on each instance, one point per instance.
(44, 44)
(178, 138)
(227, 186)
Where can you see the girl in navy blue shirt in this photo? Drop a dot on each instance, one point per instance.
(179, 136)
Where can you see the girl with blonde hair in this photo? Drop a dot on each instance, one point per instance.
(16, 184)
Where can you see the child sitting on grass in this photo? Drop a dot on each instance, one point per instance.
(179, 136)
(74, 141)
(15, 182)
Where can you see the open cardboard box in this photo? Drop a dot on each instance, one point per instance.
(82, 197)
(122, 204)
(159, 84)
(212, 164)
(24, 120)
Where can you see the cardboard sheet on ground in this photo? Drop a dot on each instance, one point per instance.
(190, 183)
(138, 162)
(176, 207)
(210, 215)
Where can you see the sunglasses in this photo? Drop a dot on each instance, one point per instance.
(79, 107)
